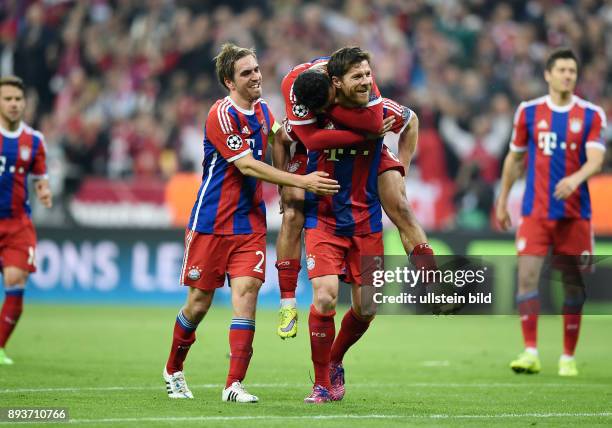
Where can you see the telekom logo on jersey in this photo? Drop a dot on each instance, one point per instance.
(547, 142)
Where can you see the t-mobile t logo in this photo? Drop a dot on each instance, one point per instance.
(547, 141)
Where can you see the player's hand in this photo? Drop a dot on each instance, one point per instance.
(502, 216)
(566, 187)
(388, 123)
(315, 182)
(43, 192)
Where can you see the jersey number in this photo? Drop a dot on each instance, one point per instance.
(257, 267)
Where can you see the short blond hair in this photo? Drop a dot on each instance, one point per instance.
(225, 61)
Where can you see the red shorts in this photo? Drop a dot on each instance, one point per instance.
(389, 161)
(567, 237)
(329, 254)
(208, 258)
(18, 244)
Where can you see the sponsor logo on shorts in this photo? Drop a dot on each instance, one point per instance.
(310, 262)
(234, 142)
(194, 273)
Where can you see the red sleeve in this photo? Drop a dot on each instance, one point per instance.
(401, 113)
(518, 141)
(39, 163)
(596, 133)
(364, 119)
(315, 138)
(221, 131)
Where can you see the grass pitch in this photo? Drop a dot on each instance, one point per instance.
(104, 364)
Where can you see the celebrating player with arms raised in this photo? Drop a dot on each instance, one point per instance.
(226, 232)
(22, 153)
(562, 136)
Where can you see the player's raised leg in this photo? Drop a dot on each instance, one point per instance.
(528, 301)
(392, 194)
(288, 253)
(187, 320)
(242, 331)
(12, 308)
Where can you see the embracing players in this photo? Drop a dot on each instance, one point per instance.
(343, 229)
(22, 153)
(226, 232)
(562, 136)
(358, 120)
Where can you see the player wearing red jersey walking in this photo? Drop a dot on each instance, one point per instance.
(22, 154)
(226, 232)
(562, 136)
(359, 120)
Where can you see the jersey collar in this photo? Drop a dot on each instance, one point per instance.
(560, 109)
(240, 109)
(12, 134)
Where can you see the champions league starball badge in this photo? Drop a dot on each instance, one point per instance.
(234, 142)
(300, 110)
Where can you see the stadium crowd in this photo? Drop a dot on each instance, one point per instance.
(121, 88)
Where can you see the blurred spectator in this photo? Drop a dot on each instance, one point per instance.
(123, 87)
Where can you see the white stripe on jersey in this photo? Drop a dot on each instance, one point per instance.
(586, 104)
(302, 122)
(374, 102)
(595, 145)
(210, 172)
(393, 106)
(186, 255)
(223, 115)
(515, 148)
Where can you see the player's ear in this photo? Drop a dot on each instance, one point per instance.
(229, 83)
(547, 76)
(336, 82)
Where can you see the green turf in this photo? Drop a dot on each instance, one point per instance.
(407, 370)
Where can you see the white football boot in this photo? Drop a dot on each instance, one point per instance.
(236, 392)
(176, 385)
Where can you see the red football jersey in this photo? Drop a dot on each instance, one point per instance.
(22, 153)
(228, 202)
(555, 139)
